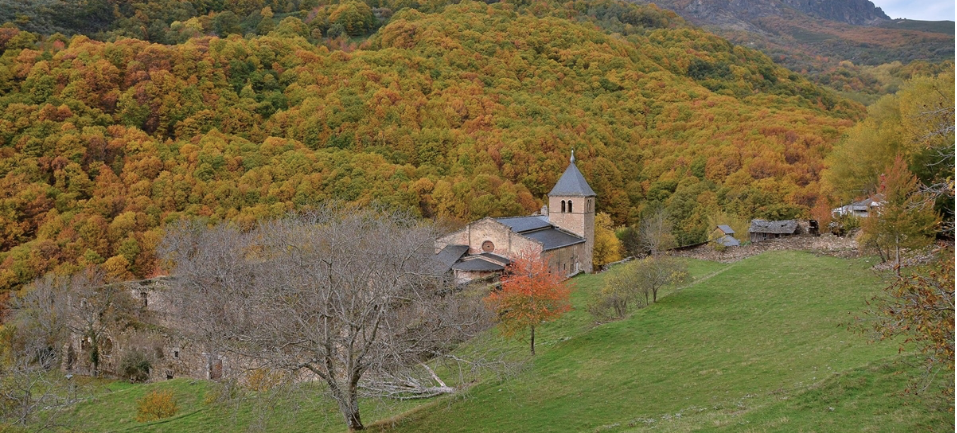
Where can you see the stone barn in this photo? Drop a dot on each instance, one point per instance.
(762, 230)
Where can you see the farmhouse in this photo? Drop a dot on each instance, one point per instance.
(860, 209)
(762, 230)
(563, 234)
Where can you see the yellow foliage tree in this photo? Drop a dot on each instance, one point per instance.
(117, 268)
(607, 246)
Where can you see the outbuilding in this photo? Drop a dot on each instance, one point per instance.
(762, 230)
(724, 235)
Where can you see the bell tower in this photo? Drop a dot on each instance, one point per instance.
(571, 207)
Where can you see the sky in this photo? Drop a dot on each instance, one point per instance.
(925, 10)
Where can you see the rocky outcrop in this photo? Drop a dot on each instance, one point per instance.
(740, 14)
(856, 12)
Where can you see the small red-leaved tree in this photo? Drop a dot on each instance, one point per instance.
(531, 294)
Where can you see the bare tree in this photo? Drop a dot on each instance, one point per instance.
(32, 388)
(655, 232)
(95, 310)
(348, 296)
(39, 323)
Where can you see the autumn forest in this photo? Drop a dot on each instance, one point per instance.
(240, 110)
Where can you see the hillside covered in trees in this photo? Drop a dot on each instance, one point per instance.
(452, 112)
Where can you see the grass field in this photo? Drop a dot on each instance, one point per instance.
(759, 345)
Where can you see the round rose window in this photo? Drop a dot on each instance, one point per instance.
(488, 246)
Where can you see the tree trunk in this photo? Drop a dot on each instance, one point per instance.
(533, 340)
(348, 401)
(353, 421)
(349, 407)
(897, 254)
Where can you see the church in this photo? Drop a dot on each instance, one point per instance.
(563, 234)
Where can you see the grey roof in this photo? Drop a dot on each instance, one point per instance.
(728, 241)
(526, 223)
(778, 227)
(448, 256)
(477, 264)
(572, 183)
(504, 261)
(726, 229)
(553, 238)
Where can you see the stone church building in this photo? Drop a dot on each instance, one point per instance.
(563, 234)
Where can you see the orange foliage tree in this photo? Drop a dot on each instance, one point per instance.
(920, 306)
(531, 293)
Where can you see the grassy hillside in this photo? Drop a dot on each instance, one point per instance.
(759, 344)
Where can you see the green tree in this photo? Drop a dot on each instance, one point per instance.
(355, 17)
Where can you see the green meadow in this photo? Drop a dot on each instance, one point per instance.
(769, 343)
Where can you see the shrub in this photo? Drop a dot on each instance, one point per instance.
(156, 405)
(263, 379)
(222, 391)
(135, 366)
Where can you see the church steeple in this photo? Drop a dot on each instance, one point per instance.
(571, 207)
(572, 183)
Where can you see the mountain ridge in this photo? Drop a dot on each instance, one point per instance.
(735, 12)
(833, 43)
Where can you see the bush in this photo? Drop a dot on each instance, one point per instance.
(263, 379)
(222, 391)
(610, 304)
(620, 290)
(135, 366)
(156, 405)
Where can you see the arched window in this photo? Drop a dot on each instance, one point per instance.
(563, 206)
(569, 206)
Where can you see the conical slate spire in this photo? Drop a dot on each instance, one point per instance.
(572, 183)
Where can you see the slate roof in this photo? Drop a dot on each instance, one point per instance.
(526, 223)
(477, 264)
(774, 227)
(504, 261)
(726, 229)
(572, 183)
(553, 238)
(863, 206)
(448, 256)
(728, 241)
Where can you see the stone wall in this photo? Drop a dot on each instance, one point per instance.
(824, 244)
